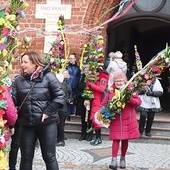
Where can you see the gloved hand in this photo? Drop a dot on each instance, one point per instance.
(142, 92)
(149, 93)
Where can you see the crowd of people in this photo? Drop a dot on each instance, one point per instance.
(45, 101)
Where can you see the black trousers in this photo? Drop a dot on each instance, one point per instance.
(47, 137)
(14, 148)
(83, 125)
(146, 118)
(60, 126)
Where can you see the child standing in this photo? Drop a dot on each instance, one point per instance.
(125, 126)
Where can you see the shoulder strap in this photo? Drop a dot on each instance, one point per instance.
(26, 96)
(118, 65)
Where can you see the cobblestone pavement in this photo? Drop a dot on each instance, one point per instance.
(78, 155)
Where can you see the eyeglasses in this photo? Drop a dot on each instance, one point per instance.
(119, 81)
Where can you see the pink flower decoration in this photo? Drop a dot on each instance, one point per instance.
(156, 69)
(131, 87)
(146, 76)
(5, 32)
(142, 72)
(63, 54)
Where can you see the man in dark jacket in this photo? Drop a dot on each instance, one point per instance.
(74, 72)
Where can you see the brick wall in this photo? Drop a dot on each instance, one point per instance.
(85, 13)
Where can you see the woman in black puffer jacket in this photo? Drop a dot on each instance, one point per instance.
(38, 114)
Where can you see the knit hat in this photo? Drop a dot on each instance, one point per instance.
(120, 75)
(60, 77)
(118, 54)
(111, 54)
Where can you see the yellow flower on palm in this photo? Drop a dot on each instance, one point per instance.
(7, 24)
(123, 105)
(117, 94)
(59, 22)
(11, 17)
(2, 21)
(3, 161)
(4, 52)
(1, 70)
(24, 5)
(1, 41)
(119, 104)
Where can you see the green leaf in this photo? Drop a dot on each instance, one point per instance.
(2, 14)
(2, 104)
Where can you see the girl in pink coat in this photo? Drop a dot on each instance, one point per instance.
(125, 126)
(98, 88)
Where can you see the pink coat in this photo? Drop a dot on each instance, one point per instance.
(125, 126)
(98, 89)
(10, 110)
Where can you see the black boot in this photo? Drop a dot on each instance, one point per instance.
(61, 143)
(82, 137)
(90, 136)
(98, 140)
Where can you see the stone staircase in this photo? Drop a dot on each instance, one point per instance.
(160, 128)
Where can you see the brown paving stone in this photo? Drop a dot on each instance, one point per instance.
(101, 153)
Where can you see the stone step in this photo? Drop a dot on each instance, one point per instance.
(105, 136)
(160, 128)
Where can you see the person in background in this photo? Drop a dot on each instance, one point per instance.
(150, 105)
(68, 93)
(125, 126)
(106, 63)
(63, 111)
(10, 117)
(14, 146)
(80, 108)
(74, 72)
(98, 88)
(38, 115)
(86, 58)
(116, 65)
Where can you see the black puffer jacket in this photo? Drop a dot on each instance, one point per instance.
(46, 90)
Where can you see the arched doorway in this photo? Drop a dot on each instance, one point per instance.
(150, 32)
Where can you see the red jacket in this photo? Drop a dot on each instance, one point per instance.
(125, 126)
(98, 88)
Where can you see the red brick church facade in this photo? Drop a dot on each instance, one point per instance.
(83, 13)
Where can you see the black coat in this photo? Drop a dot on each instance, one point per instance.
(46, 90)
(80, 108)
(68, 91)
